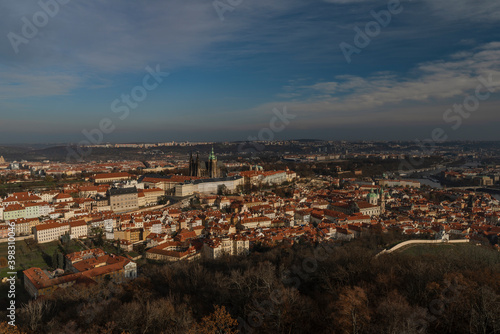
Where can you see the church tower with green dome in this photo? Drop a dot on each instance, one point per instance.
(204, 169)
(382, 200)
(372, 198)
(213, 171)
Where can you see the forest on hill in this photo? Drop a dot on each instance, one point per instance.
(305, 288)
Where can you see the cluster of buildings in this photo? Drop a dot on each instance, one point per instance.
(74, 201)
(87, 268)
(77, 208)
(479, 176)
(26, 170)
(336, 212)
(226, 222)
(149, 145)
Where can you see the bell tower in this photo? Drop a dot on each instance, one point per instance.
(190, 164)
(212, 165)
(382, 200)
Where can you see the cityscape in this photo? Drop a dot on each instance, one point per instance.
(77, 225)
(227, 166)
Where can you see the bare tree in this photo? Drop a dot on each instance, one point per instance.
(34, 311)
(353, 313)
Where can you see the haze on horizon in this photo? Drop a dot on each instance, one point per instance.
(226, 76)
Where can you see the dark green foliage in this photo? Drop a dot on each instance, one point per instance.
(54, 259)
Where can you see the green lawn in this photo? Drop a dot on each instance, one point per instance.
(24, 186)
(133, 254)
(434, 249)
(74, 246)
(49, 247)
(28, 256)
(110, 248)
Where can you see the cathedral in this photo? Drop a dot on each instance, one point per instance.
(378, 198)
(208, 169)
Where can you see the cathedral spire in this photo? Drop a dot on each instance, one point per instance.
(191, 163)
(212, 155)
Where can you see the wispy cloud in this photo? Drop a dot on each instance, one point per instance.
(95, 50)
(383, 97)
(440, 79)
(15, 85)
(474, 10)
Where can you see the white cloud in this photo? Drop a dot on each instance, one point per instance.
(20, 84)
(429, 88)
(123, 36)
(474, 10)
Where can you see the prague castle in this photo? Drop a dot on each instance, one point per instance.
(207, 169)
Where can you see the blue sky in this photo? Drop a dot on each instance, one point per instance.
(226, 77)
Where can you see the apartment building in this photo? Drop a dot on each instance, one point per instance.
(84, 255)
(48, 196)
(78, 229)
(50, 231)
(168, 183)
(217, 247)
(44, 209)
(208, 186)
(111, 177)
(256, 222)
(13, 211)
(62, 198)
(241, 245)
(123, 199)
(151, 196)
(227, 245)
(132, 235)
(172, 251)
(31, 210)
(21, 197)
(270, 177)
(25, 226)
